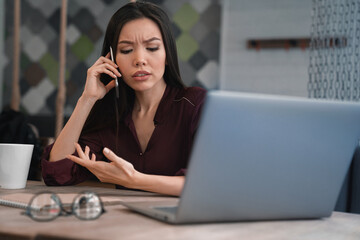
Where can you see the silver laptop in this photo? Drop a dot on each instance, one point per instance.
(263, 157)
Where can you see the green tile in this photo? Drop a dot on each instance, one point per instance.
(51, 67)
(82, 48)
(186, 46)
(186, 17)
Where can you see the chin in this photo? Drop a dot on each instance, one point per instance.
(141, 87)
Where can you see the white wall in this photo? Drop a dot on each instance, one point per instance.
(265, 71)
(2, 29)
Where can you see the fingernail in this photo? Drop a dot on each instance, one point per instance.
(106, 150)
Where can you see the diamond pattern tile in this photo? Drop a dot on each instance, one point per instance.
(94, 33)
(84, 21)
(24, 61)
(73, 8)
(82, 47)
(209, 75)
(34, 99)
(210, 45)
(211, 16)
(54, 20)
(34, 74)
(79, 76)
(187, 46)
(48, 34)
(72, 34)
(105, 17)
(35, 22)
(186, 17)
(50, 100)
(24, 87)
(173, 6)
(47, 7)
(95, 7)
(71, 61)
(35, 48)
(54, 49)
(9, 47)
(176, 31)
(198, 60)
(25, 35)
(187, 72)
(37, 3)
(200, 5)
(91, 59)
(51, 67)
(199, 31)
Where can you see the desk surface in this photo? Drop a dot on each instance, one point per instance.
(120, 223)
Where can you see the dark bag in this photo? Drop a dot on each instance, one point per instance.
(15, 128)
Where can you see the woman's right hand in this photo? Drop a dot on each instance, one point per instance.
(94, 88)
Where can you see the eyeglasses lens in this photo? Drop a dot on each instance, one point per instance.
(45, 206)
(87, 206)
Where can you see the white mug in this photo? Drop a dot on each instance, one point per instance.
(14, 164)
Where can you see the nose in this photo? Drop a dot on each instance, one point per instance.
(139, 59)
(140, 63)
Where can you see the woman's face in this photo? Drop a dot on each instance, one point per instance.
(141, 55)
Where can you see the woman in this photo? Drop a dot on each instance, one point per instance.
(148, 145)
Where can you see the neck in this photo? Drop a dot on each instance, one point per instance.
(148, 100)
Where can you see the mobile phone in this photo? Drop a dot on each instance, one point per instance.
(116, 79)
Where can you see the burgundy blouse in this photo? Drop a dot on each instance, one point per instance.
(168, 150)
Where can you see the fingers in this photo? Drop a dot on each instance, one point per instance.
(84, 154)
(107, 66)
(76, 160)
(109, 154)
(106, 59)
(87, 151)
(113, 157)
(80, 151)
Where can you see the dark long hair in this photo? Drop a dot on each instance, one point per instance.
(103, 112)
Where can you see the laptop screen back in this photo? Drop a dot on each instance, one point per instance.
(259, 157)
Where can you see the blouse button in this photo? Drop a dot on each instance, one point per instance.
(141, 154)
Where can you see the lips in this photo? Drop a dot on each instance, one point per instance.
(141, 75)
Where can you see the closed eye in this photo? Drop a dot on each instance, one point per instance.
(153, 49)
(126, 51)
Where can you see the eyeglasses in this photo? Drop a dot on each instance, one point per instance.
(46, 206)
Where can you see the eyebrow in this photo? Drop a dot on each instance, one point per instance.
(146, 41)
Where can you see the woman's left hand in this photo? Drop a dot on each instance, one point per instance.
(118, 171)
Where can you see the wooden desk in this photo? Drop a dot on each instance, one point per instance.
(120, 223)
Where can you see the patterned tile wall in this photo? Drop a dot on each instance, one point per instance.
(196, 26)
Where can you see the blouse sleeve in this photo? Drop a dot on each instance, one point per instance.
(66, 172)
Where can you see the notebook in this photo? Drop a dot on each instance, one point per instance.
(263, 157)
